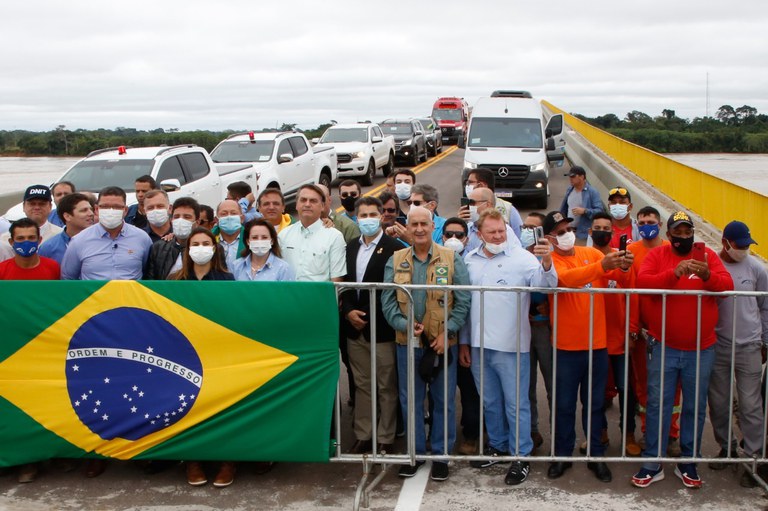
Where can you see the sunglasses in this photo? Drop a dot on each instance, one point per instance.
(459, 235)
(391, 211)
(619, 191)
(344, 195)
(416, 202)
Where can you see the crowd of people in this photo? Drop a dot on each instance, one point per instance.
(664, 364)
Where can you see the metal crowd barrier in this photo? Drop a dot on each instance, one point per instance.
(383, 461)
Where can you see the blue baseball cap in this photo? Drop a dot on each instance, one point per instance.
(738, 233)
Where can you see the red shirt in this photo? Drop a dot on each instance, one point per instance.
(658, 272)
(617, 232)
(48, 269)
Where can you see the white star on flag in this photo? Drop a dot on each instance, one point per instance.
(181, 397)
(146, 416)
(75, 368)
(135, 388)
(106, 380)
(150, 349)
(133, 409)
(84, 397)
(105, 417)
(141, 394)
(98, 403)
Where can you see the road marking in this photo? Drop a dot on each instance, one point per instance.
(416, 170)
(413, 489)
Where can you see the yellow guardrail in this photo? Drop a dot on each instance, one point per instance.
(717, 201)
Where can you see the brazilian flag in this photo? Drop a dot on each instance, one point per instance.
(167, 370)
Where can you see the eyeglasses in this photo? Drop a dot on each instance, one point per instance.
(416, 202)
(567, 229)
(459, 235)
(390, 211)
(344, 195)
(619, 191)
(475, 202)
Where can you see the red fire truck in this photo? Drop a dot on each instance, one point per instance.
(452, 115)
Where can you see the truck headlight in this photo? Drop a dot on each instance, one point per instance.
(359, 154)
(539, 166)
(470, 165)
(407, 142)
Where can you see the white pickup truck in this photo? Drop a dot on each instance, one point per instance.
(361, 149)
(182, 171)
(282, 160)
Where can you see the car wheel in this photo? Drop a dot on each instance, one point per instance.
(438, 150)
(390, 166)
(425, 154)
(324, 180)
(415, 156)
(369, 173)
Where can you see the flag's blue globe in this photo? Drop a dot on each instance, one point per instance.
(131, 373)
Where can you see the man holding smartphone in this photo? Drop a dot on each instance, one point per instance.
(686, 344)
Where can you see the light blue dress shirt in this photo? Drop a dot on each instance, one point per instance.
(274, 270)
(55, 247)
(94, 255)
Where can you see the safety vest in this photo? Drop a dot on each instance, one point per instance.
(439, 272)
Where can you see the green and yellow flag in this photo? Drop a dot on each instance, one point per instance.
(167, 370)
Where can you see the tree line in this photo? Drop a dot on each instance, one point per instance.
(731, 130)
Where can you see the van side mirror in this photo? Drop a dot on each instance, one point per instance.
(375, 139)
(285, 158)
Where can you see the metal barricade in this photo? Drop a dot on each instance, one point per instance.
(384, 461)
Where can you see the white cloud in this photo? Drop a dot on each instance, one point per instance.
(228, 64)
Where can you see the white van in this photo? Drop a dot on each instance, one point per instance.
(508, 137)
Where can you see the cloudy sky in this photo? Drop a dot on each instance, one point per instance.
(235, 64)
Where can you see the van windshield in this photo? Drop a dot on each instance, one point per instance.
(448, 115)
(338, 135)
(93, 175)
(246, 151)
(503, 132)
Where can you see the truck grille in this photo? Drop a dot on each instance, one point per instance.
(344, 157)
(509, 176)
(448, 131)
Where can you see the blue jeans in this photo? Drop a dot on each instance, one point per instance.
(500, 393)
(679, 366)
(572, 381)
(440, 444)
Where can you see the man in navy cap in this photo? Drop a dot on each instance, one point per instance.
(37, 207)
(748, 329)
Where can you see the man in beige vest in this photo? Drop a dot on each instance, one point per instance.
(426, 262)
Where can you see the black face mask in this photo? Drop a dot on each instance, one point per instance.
(349, 203)
(601, 238)
(682, 246)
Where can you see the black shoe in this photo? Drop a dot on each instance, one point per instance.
(717, 465)
(408, 470)
(518, 472)
(601, 470)
(558, 468)
(746, 480)
(361, 447)
(537, 439)
(439, 471)
(494, 453)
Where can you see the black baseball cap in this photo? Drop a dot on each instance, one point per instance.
(577, 171)
(552, 219)
(37, 192)
(679, 218)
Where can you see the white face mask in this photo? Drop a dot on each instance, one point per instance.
(527, 238)
(403, 190)
(474, 216)
(454, 244)
(111, 218)
(566, 241)
(157, 217)
(260, 247)
(201, 254)
(737, 254)
(468, 189)
(182, 228)
(495, 248)
(619, 211)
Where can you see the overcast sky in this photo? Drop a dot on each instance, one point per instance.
(235, 64)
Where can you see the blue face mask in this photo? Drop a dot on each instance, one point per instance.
(230, 224)
(649, 231)
(25, 248)
(526, 237)
(369, 226)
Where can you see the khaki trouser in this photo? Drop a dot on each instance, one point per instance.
(386, 384)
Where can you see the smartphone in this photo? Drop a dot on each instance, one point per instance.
(401, 220)
(623, 243)
(698, 251)
(465, 201)
(538, 234)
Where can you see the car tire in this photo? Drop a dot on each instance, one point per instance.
(390, 166)
(415, 156)
(425, 154)
(324, 180)
(440, 149)
(370, 172)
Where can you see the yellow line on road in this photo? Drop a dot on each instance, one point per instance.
(418, 168)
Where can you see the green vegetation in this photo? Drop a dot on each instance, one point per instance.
(64, 142)
(732, 130)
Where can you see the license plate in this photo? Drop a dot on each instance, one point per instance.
(505, 194)
(445, 138)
